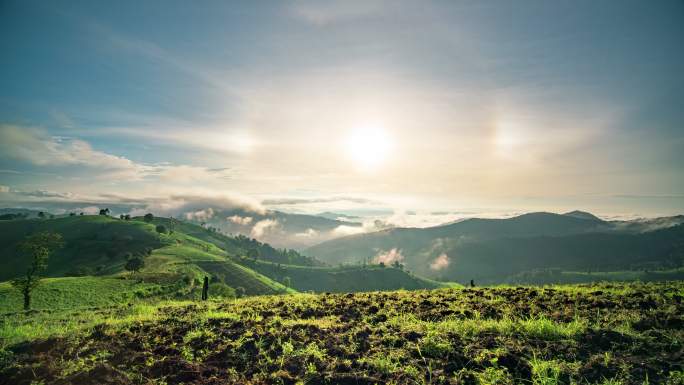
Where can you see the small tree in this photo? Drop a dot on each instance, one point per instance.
(161, 229)
(240, 291)
(148, 217)
(105, 211)
(127, 217)
(253, 254)
(38, 247)
(41, 215)
(135, 264)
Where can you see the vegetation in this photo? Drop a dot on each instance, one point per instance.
(343, 278)
(37, 248)
(590, 334)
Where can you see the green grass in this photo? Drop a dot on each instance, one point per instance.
(502, 335)
(345, 278)
(77, 292)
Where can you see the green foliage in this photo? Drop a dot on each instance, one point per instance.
(135, 264)
(37, 248)
(161, 229)
(148, 217)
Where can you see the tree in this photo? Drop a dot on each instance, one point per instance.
(127, 217)
(135, 264)
(148, 217)
(41, 215)
(240, 291)
(72, 214)
(121, 216)
(253, 254)
(38, 247)
(161, 229)
(105, 211)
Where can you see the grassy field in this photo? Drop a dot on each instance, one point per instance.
(79, 292)
(345, 278)
(597, 334)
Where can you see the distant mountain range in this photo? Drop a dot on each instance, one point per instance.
(490, 250)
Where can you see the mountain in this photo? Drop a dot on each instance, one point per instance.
(492, 249)
(583, 215)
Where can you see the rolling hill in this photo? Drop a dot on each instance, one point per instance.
(97, 248)
(490, 250)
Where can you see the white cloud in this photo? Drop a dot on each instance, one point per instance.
(344, 230)
(389, 257)
(238, 220)
(309, 233)
(200, 215)
(263, 226)
(440, 262)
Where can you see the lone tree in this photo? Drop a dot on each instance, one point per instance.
(161, 229)
(135, 264)
(148, 217)
(38, 247)
(105, 211)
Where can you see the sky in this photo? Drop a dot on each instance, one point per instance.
(476, 107)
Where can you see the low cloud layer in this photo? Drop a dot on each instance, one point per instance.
(388, 257)
(262, 227)
(440, 262)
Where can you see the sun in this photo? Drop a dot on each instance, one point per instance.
(368, 147)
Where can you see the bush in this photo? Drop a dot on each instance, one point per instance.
(135, 264)
(161, 229)
(148, 217)
(240, 292)
(221, 290)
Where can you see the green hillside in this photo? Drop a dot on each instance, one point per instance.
(96, 249)
(344, 278)
(99, 245)
(80, 292)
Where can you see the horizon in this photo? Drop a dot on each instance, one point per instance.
(410, 114)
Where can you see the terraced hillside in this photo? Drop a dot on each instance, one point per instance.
(609, 334)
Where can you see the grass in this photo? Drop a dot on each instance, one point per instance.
(78, 292)
(503, 335)
(345, 279)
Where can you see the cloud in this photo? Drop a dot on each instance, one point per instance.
(238, 220)
(200, 215)
(263, 226)
(440, 262)
(4, 189)
(45, 194)
(309, 233)
(300, 201)
(344, 230)
(389, 257)
(37, 147)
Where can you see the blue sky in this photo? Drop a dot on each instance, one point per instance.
(529, 105)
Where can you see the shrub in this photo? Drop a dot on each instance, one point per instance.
(161, 229)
